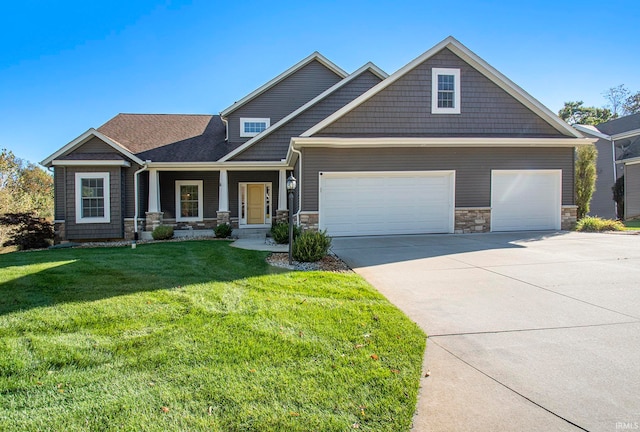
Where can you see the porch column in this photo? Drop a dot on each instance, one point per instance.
(154, 215)
(223, 215)
(282, 214)
(154, 188)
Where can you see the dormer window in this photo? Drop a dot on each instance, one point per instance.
(250, 127)
(445, 91)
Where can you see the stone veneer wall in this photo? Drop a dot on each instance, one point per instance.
(309, 221)
(281, 216)
(472, 220)
(129, 231)
(59, 232)
(569, 217)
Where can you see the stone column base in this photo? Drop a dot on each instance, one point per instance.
(282, 216)
(223, 217)
(569, 217)
(309, 221)
(154, 220)
(59, 232)
(472, 220)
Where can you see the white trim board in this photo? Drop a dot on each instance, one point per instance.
(119, 163)
(476, 62)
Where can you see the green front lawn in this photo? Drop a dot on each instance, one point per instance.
(198, 336)
(632, 225)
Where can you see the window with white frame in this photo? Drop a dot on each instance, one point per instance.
(93, 198)
(250, 127)
(189, 202)
(445, 91)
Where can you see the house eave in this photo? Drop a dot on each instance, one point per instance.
(76, 163)
(627, 134)
(216, 166)
(629, 161)
(300, 142)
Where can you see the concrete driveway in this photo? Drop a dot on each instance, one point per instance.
(527, 331)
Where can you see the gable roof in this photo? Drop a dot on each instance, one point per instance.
(477, 63)
(84, 138)
(315, 56)
(621, 127)
(367, 67)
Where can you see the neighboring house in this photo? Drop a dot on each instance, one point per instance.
(446, 144)
(618, 153)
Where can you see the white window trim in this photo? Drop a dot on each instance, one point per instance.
(242, 191)
(197, 183)
(434, 91)
(107, 198)
(244, 120)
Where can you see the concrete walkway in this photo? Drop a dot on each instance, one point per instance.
(527, 331)
(259, 245)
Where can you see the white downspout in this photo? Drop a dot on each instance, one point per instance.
(615, 173)
(137, 198)
(297, 215)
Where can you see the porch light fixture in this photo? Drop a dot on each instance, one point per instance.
(291, 187)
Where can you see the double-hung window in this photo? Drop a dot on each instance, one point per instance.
(189, 203)
(445, 91)
(92, 198)
(250, 127)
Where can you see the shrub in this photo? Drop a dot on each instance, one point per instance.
(311, 246)
(163, 232)
(280, 232)
(618, 196)
(589, 223)
(223, 230)
(585, 177)
(27, 231)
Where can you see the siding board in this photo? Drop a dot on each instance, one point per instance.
(472, 165)
(632, 190)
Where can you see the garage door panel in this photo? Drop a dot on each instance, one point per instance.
(375, 203)
(526, 200)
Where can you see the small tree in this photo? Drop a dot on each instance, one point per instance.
(585, 180)
(27, 231)
(618, 196)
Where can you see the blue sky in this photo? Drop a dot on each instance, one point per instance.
(70, 65)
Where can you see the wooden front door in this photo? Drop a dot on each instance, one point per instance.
(255, 204)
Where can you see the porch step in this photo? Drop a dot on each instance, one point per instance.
(250, 233)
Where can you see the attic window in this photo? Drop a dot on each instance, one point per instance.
(445, 91)
(250, 127)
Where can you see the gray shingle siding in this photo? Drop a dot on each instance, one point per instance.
(59, 193)
(210, 190)
(404, 108)
(274, 147)
(112, 230)
(602, 203)
(472, 165)
(284, 98)
(632, 191)
(95, 145)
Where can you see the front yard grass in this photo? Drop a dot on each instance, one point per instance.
(633, 225)
(198, 336)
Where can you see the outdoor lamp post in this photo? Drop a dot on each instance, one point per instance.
(291, 186)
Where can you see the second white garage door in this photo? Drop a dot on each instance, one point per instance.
(525, 200)
(380, 203)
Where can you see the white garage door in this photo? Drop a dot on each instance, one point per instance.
(525, 200)
(380, 203)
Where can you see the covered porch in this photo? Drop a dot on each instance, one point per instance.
(195, 200)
